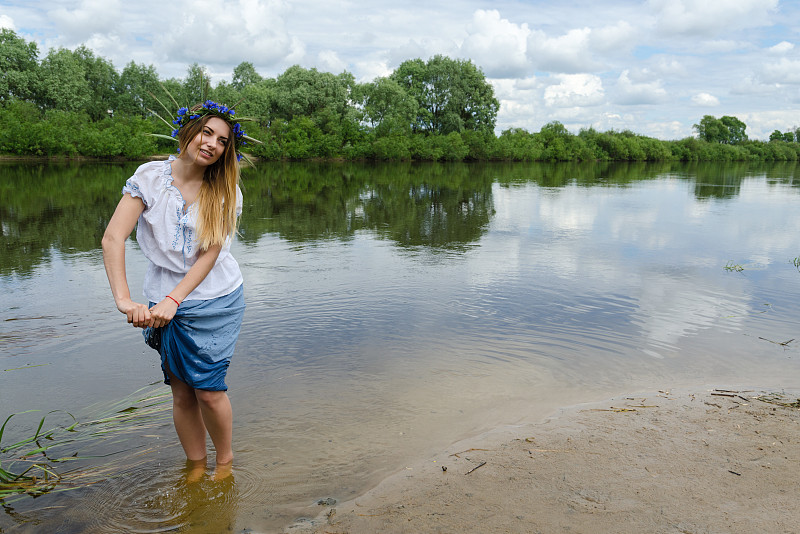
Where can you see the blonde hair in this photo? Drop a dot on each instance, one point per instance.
(216, 202)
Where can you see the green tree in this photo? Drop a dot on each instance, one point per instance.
(18, 66)
(711, 129)
(136, 84)
(245, 75)
(451, 95)
(735, 128)
(728, 130)
(77, 81)
(385, 106)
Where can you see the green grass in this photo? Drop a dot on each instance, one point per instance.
(51, 458)
(731, 266)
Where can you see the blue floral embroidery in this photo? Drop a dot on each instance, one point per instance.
(182, 229)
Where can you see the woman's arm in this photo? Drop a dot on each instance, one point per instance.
(164, 311)
(119, 228)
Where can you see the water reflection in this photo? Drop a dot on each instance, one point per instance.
(65, 207)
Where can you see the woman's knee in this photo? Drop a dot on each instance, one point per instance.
(210, 398)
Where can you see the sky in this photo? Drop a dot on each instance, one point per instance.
(655, 67)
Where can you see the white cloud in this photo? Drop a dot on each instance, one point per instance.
(569, 53)
(369, 70)
(630, 92)
(705, 99)
(762, 123)
(781, 48)
(329, 61)
(711, 17)
(618, 36)
(422, 48)
(90, 17)
(785, 71)
(575, 90)
(7, 23)
(668, 66)
(498, 46)
(667, 129)
(248, 28)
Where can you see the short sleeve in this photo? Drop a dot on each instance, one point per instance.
(140, 185)
(133, 188)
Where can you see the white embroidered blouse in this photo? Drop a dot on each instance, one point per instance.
(166, 235)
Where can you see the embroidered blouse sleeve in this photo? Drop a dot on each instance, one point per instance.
(139, 186)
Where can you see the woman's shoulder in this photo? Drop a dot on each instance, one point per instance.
(157, 168)
(148, 180)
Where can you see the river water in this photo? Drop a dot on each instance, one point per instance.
(392, 310)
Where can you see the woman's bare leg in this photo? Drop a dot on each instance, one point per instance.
(188, 419)
(215, 407)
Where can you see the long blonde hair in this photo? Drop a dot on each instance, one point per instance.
(216, 201)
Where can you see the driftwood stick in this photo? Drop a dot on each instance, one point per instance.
(474, 468)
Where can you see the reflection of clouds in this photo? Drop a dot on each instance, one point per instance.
(673, 306)
(570, 211)
(653, 242)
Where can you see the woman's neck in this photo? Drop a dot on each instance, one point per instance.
(186, 171)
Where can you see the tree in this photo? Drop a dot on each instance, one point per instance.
(728, 130)
(245, 75)
(777, 135)
(136, 83)
(18, 66)
(77, 81)
(735, 128)
(386, 106)
(451, 95)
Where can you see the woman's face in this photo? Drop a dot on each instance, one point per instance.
(209, 145)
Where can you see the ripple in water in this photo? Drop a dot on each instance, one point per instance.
(156, 499)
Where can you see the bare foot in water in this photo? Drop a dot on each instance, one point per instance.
(223, 471)
(195, 469)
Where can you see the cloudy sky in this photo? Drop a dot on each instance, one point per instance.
(653, 66)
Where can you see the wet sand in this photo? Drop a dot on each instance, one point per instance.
(663, 462)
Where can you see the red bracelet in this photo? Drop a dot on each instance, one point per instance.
(173, 300)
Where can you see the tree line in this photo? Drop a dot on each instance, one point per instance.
(74, 103)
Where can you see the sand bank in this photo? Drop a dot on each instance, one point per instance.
(672, 462)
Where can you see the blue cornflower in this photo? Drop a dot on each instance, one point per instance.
(193, 117)
(175, 132)
(238, 157)
(232, 111)
(182, 111)
(177, 121)
(223, 108)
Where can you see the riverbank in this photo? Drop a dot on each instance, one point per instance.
(691, 462)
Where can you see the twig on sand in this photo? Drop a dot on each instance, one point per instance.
(476, 467)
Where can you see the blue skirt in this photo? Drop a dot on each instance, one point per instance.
(197, 344)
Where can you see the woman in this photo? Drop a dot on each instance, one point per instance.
(187, 210)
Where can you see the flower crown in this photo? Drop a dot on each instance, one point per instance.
(209, 107)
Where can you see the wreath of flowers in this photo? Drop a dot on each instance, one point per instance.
(185, 115)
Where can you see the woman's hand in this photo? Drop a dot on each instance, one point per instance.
(163, 312)
(137, 313)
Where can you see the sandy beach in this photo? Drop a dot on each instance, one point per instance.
(718, 460)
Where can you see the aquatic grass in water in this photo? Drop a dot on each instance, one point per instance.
(731, 266)
(36, 465)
